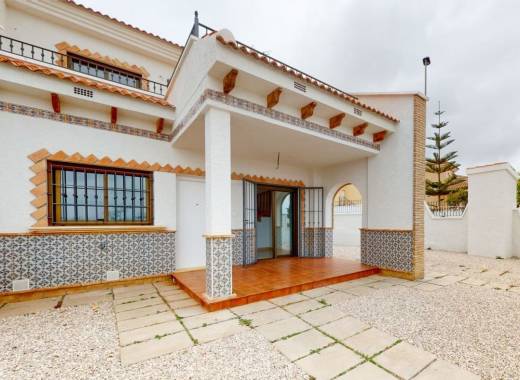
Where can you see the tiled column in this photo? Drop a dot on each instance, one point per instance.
(219, 252)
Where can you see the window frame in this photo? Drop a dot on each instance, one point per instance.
(53, 205)
(107, 69)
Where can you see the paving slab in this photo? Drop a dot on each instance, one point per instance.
(344, 285)
(321, 316)
(132, 305)
(87, 298)
(336, 298)
(344, 327)
(149, 332)
(433, 275)
(135, 289)
(281, 329)
(218, 331)
(474, 281)
(370, 342)
(190, 311)
(135, 353)
(394, 280)
(381, 284)
(404, 360)
(208, 318)
(142, 312)
(171, 292)
(329, 362)
(291, 298)
(303, 306)
(135, 293)
(441, 369)
(302, 344)
(428, 287)
(515, 289)
(183, 303)
(267, 316)
(252, 307)
(28, 307)
(447, 280)
(177, 296)
(317, 292)
(410, 284)
(148, 320)
(498, 286)
(120, 300)
(367, 371)
(361, 290)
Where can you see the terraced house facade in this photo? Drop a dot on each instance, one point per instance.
(126, 156)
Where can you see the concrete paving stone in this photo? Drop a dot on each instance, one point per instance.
(171, 292)
(252, 307)
(135, 293)
(381, 285)
(183, 303)
(410, 284)
(428, 276)
(321, 316)
(136, 313)
(367, 371)
(149, 332)
(281, 329)
(135, 353)
(427, 287)
(291, 298)
(208, 318)
(131, 324)
(123, 300)
(441, 369)
(342, 286)
(165, 285)
(329, 362)
(189, 311)
(28, 307)
(344, 327)
(218, 330)
(137, 304)
(474, 281)
(336, 298)
(361, 290)
(87, 298)
(317, 292)
(515, 289)
(370, 342)
(404, 360)
(394, 280)
(447, 280)
(267, 316)
(303, 306)
(498, 286)
(302, 344)
(180, 295)
(133, 289)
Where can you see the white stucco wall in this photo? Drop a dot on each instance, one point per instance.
(346, 229)
(491, 199)
(389, 190)
(516, 232)
(446, 233)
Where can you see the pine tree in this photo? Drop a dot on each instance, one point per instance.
(441, 163)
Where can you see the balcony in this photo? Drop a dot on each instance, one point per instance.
(81, 65)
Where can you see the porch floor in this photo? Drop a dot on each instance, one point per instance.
(274, 278)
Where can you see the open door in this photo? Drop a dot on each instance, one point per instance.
(312, 231)
(249, 223)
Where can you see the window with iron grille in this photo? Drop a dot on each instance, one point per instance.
(81, 195)
(100, 70)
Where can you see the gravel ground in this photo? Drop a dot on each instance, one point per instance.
(477, 328)
(81, 343)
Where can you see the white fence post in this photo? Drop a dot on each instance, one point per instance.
(491, 200)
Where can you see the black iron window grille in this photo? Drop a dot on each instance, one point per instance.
(81, 65)
(82, 195)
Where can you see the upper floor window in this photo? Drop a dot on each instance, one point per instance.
(80, 195)
(104, 71)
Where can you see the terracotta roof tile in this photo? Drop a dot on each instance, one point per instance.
(304, 77)
(119, 22)
(84, 81)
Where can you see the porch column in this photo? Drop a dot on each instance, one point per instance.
(219, 257)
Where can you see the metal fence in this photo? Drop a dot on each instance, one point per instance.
(348, 208)
(445, 209)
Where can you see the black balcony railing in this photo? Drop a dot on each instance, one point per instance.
(80, 65)
(445, 209)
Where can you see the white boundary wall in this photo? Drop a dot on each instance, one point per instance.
(445, 233)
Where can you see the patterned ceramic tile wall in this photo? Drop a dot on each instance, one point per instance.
(238, 257)
(387, 249)
(219, 267)
(313, 242)
(329, 242)
(54, 260)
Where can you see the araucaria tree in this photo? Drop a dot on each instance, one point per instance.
(443, 165)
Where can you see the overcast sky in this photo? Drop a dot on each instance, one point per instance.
(378, 45)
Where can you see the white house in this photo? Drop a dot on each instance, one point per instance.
(125, 155)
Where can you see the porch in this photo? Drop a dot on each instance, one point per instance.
(271, 278)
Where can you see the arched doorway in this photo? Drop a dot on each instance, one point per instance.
(347, 215)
